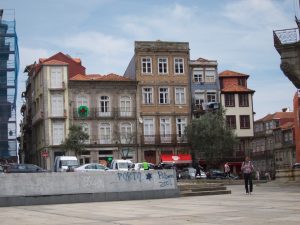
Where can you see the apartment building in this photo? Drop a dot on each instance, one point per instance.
(237, 100)
(110, 120)
(205, 88)
(273, 134)
(163, 99)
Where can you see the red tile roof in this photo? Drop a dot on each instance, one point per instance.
(98, 77)
(229, 73)
(54, 62)
(236, 88)
(287, 125)
(277, 116)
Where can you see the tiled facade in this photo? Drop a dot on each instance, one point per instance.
(205, 88)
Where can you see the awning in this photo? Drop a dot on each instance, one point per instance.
(178, 159)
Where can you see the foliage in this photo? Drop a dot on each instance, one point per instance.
(75, 140)
(210, 136)
(83, 111)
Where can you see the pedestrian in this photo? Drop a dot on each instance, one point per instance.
(247, 168)
(227, 169)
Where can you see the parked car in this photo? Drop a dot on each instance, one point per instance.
(91, 167)
(215, 174)
(24, 168)
(296, 166)
(121, 164)
(190, 173)
(65, 163)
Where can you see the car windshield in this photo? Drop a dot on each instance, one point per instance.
(69, 162)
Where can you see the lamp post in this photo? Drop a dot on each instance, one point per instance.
(124, 153)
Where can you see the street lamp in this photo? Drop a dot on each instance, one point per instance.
(124, 153)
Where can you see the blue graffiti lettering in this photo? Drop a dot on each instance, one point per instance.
(130, 176)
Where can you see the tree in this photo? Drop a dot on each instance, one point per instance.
(75, 140)
(210, 135)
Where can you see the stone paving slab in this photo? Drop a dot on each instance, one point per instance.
(270, 204)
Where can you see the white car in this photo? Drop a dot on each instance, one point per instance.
(140, 166)
(91, 167)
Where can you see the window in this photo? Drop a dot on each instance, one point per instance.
(211, 97)
(125, 106)
(231, 122)
(104, 106)
(146, 65)
(178, 66)
(245, 122)
(126, 136)
(179, 96)
(180, 125)
(81, 100)
(147, 95)
(165, 130)
(105, 133)
(163, 95)
(243, 100)
(85, 128)
(210, 75)
(58, 133)
(149, 130)
(229, 100)
(242, 82)
(199, 99)
(56, 77)
(163, 65)
(198, 76)
(57, 105)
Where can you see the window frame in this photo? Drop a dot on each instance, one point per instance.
(243, 100)
(229, 99)
(146, 66)
(106, 126)
(149, 96)
(165, 96)
(162, 65)
(231, 121)
(179, 64)
(182, 96)
(245, 124)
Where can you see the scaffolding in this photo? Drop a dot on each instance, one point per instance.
(9, 68)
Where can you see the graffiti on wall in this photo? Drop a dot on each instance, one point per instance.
(165, 178)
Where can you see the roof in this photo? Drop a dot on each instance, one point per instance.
(54, 62)
(229, 73)
(287, 125)
(98, 77)
(237, 88)
(277, 116)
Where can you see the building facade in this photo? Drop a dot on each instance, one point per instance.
(270, 141)
(237, 100)
(205, 88)
(9, 68)
(163, 98)
(111, 118)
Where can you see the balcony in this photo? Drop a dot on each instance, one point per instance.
(38, 117)
(110, 113)
(287, 43)
(164, 139)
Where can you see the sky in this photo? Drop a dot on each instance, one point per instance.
(236, 33)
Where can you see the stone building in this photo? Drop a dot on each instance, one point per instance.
(269, 141)
(163, 99)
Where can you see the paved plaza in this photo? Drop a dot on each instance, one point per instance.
(271, 203)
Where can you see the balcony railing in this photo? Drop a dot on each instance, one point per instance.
(97, 113)
(286, 36)
(163, 139)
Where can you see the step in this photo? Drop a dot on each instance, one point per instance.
(197, 188)
(202, 193)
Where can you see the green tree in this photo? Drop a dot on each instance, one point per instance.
(75, 140)
(210, 135)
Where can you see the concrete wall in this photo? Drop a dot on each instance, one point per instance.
(53, 188)
(285, 175)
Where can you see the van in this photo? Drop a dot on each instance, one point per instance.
(65, 163)
(121, 164)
